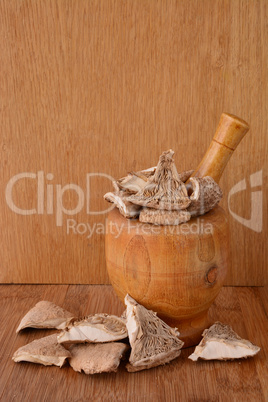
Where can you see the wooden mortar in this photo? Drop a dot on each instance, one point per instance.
(177, 271)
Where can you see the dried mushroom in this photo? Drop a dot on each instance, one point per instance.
(96, 328)
(152, 341)
(163, 217)
(135, 181)
(46, 314)
(126, 208)
(116, 188)
(44, 351)
(97, 358)
(125, 187)
(163, 190)
(220, 342)
(205, 196)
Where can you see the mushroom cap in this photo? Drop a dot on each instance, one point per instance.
(97, 358)
(46, 314)
(45, 351)
(206, 195)
(220, 342)
(163, 217)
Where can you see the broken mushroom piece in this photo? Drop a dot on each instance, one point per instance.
(163, 217)
(220, 342)
(46, 314)
(126, 208)
(44, 351)
(205, 196)
(116, 188)
(96, 328)
(152, 341)
(135, 181)
(164, 190)
(97, 358)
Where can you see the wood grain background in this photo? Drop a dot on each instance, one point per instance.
(106, 86)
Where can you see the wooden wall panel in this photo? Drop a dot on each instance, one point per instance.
(106, 86)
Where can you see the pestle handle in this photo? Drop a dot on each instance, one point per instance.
(229, 133)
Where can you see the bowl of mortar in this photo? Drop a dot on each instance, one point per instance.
(177, 270)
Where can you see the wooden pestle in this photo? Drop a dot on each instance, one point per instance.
(229, 133)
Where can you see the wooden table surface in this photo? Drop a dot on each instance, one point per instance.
(244, 308)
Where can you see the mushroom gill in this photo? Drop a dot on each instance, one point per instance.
(165, 189)
(152, 341)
